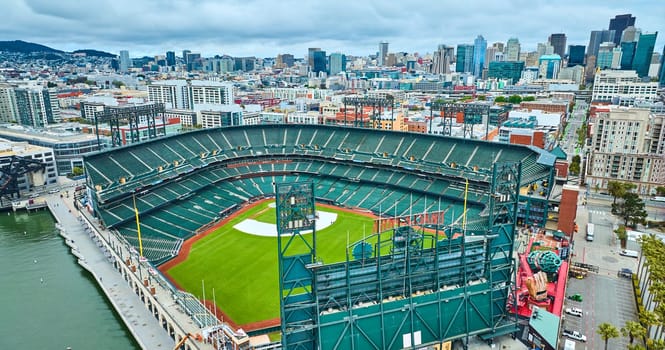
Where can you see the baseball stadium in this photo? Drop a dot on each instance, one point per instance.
(335, 237)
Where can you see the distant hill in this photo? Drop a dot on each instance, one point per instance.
(25, 47)
(91, 52)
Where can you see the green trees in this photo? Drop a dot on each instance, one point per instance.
(529, 98)
(515, 99)
(631, 209)
(660, 190)
(633, 330)
(500, 99)
(607, 331)
(575, 165)
(622, 235)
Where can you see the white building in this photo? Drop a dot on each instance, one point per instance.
(628, 146)
(622, 84)
(187, 94)
(25, 150)
(7, 104)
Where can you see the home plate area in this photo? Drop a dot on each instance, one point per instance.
(258, 228)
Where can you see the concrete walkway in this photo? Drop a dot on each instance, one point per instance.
(139, 320)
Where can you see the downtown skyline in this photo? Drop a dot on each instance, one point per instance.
(267, 28)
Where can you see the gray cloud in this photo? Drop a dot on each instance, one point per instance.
(266, 28)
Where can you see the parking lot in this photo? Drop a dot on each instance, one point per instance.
(606, 298)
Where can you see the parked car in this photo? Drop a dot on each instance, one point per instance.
(629, 253)
(574, 335)
(575, 297)
(574, 311)
(625, 272)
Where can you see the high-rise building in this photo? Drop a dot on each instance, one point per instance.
(383, 52)
(284, 60)
(643, 53)
(512, 52)
(36, 106)
(576, 55)
(479, 47)
(337, 63)
(464, 61)
(506, 70)
(125, 62)
(310, 56)
(558, 42)
(544, 49)
(605, 55)
(661, 74)
(184, 94)
(170, 58)
(498, 46)
(618, 24)
(627, 54)
(627, 146)
(442, 59)
(598, 37)
(548, 66)
(7, 104)
(319, 62)
(630, 34)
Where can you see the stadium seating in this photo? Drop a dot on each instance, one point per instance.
(184, 182)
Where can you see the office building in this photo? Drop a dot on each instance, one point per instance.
(558, 42)
(627, 54)
(170, 58)
(643, 53)
(479, 47)
(544, 49)
(512, 52)
(548, 66)
(608, 56)
(310, 56)
(319, 62)
(337, 63)
(630, 34)
(576, 55)
(598, 37)
(125, 62)
(511, 70)
(661, 73)
(383, 53)
(618, 24)
(628, 145)
(284, 60)
(616, 85)
(464, 63)
(442, 59)
(244, 64)
(576, 74)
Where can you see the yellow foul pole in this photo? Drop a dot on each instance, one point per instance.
(466, 192)
(138, 226)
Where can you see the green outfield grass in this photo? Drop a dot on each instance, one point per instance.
(242, 268)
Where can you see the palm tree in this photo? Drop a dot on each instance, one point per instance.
(632, 330)
(648, 319)
(656, 344)
(636, 347)
(607, 331)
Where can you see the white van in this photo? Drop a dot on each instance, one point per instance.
(629, 253)
(590, 228)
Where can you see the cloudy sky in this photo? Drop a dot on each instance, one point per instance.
(265, 28)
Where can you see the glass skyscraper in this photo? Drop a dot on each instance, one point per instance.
(479, 48)
(576, 55)
(464, 58)
(618, 24)
(627, 53)
(643, 53)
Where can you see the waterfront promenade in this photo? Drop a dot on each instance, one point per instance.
(138, 319)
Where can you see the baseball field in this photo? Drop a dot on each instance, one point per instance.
(241, 268)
